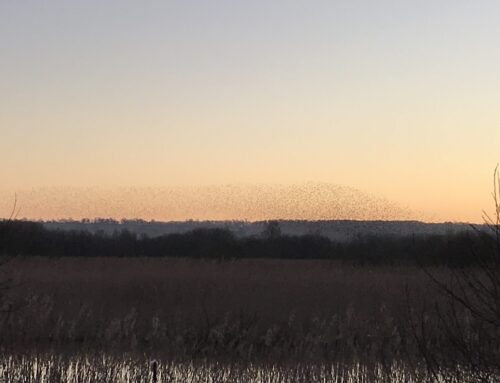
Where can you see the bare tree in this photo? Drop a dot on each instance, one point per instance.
(272, 229)
(6, 225)
(459, 337)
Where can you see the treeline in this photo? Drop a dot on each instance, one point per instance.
(24, 238)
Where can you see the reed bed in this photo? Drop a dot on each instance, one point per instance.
(105, 368)
(245, 310)
(106, 319)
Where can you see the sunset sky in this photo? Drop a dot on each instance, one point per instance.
(397, 99)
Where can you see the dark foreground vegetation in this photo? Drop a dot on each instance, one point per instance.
(126, 368)
(284, 318)
(31, 238)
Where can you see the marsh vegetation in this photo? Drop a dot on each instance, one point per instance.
(108, 318)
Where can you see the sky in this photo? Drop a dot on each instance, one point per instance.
(396, 99)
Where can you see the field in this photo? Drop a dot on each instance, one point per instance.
(107, 319)
(146, 304)
(238, 314)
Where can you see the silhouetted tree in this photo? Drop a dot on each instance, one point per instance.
(6, 304)
(467, 321)
(272, 229)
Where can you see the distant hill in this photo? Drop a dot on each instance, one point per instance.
(338, 230)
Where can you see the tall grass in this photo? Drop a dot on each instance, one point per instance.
(280, 320)
(105, 368)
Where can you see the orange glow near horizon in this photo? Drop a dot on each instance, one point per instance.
(309, 201)
(397, 99)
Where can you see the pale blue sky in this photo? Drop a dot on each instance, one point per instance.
(399, 98)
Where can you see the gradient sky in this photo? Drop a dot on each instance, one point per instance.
(400, 99)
